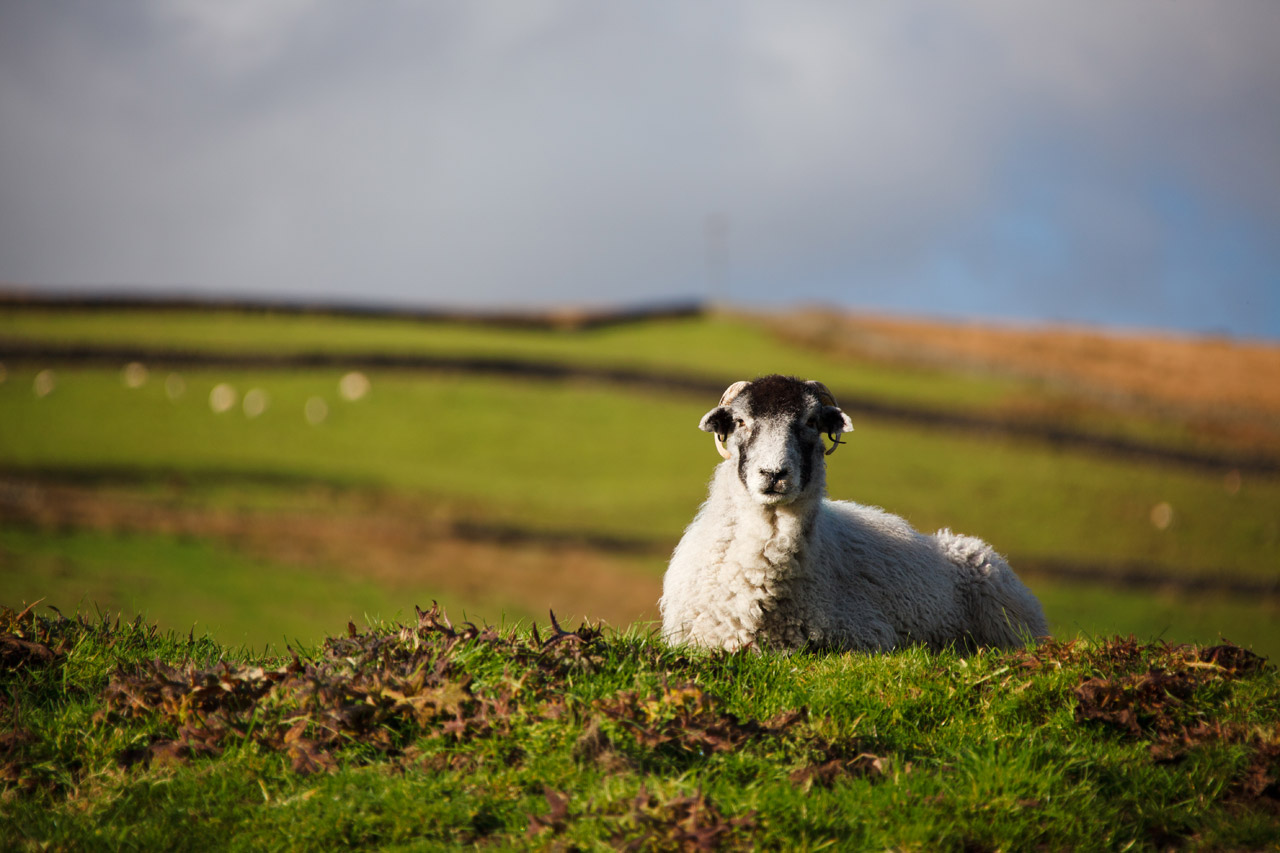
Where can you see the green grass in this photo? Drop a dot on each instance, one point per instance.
(560, 456)
(244, 600)
(1206, 618)
(617, 462)
(427, 738)
(1034, 501)
(723, 347)
(188, 584)
(548, 454)
(717, 346)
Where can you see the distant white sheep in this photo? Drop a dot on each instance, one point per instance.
(769, 561)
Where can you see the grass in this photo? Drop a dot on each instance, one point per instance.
(462, 440)
(1036, 501)
(189, 584)
(636, 465)
(561, 457)
(1207, 618)
(714, 345)
(246, 600)
(718, 346)
(425, 736)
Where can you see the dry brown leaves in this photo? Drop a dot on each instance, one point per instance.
(19, 648)
(383, 692)
(27, 649)
(12, 765)
(839, 762)
(1150, 693)
(17, 653)
(1111, 655)
(687, 719)
(651, 823)
(1261, 780)
(1136, 703)
(1150, 703)
(686, 722)
(372, 690)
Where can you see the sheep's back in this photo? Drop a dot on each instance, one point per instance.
(874, 569)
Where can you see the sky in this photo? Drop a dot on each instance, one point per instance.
(1089, 162)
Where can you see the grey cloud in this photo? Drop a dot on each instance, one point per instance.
(985, 157)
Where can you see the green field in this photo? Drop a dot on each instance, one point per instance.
(425, 736)
(702, 345)
(564, 458)
(720, 346)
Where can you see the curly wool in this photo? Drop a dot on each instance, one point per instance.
(835, 575)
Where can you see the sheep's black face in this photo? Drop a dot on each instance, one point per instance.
(772, 431)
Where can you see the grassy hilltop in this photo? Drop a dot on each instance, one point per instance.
(430, 736)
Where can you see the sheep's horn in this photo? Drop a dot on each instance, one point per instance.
(825, 397)
(733, 391)
(725, 399)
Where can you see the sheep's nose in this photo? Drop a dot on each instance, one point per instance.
(774, 476)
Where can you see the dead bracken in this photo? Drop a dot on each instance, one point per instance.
(687, 719)
(373, 690)
(649, 822)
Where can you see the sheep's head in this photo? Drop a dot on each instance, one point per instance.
(773, 427)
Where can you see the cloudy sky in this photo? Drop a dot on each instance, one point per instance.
(1085, 161)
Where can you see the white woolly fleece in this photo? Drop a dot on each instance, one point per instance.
(835, 575)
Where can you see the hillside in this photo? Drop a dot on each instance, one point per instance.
(508, 470)
(1224, 390)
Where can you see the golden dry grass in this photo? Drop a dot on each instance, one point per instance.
(1230, 388)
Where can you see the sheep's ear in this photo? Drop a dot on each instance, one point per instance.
(717, 421)
(834, 420)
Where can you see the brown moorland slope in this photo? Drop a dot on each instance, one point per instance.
(1228, 389)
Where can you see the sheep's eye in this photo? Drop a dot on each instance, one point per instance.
(812, 423)
(739, 422)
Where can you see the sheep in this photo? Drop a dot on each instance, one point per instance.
(770, 562)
